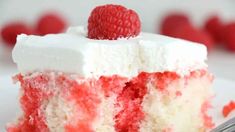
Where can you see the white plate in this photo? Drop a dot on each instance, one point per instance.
(224, 89)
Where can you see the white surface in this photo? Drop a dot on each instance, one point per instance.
(222, 63)
(9, 108)
(73, 52)
(224, 90)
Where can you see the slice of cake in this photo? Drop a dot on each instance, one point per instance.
(111, 78)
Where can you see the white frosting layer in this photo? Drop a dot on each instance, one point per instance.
(73, 52)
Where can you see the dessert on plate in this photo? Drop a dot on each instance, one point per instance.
(111, 77)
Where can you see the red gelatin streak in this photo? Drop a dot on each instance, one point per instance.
(87, 102)
(33, 119)
(208, 122)
(131, 113)
(86, 98)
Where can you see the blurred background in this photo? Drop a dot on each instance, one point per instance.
(205, 21)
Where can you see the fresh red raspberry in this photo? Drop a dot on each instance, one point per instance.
(50, 23)
(172, 21)
(230, 42)
(229, 36)
(10, 31)
(228, 108)
(192, 34)
(205, 38)
(113, 22)
(182, 31)
(214, 26)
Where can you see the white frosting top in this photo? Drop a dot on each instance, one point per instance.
(73, 52)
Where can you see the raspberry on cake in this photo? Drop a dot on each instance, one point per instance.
(143, 83)
(121, 23)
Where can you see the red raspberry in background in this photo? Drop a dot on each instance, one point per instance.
(214, 26)
(230, 42)
(113, 22)
(228, 108)
(229, 36)
(190, 33)
(205, 38)
(50, 23)
(182, 31)
(10, 31)
(172, 21)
